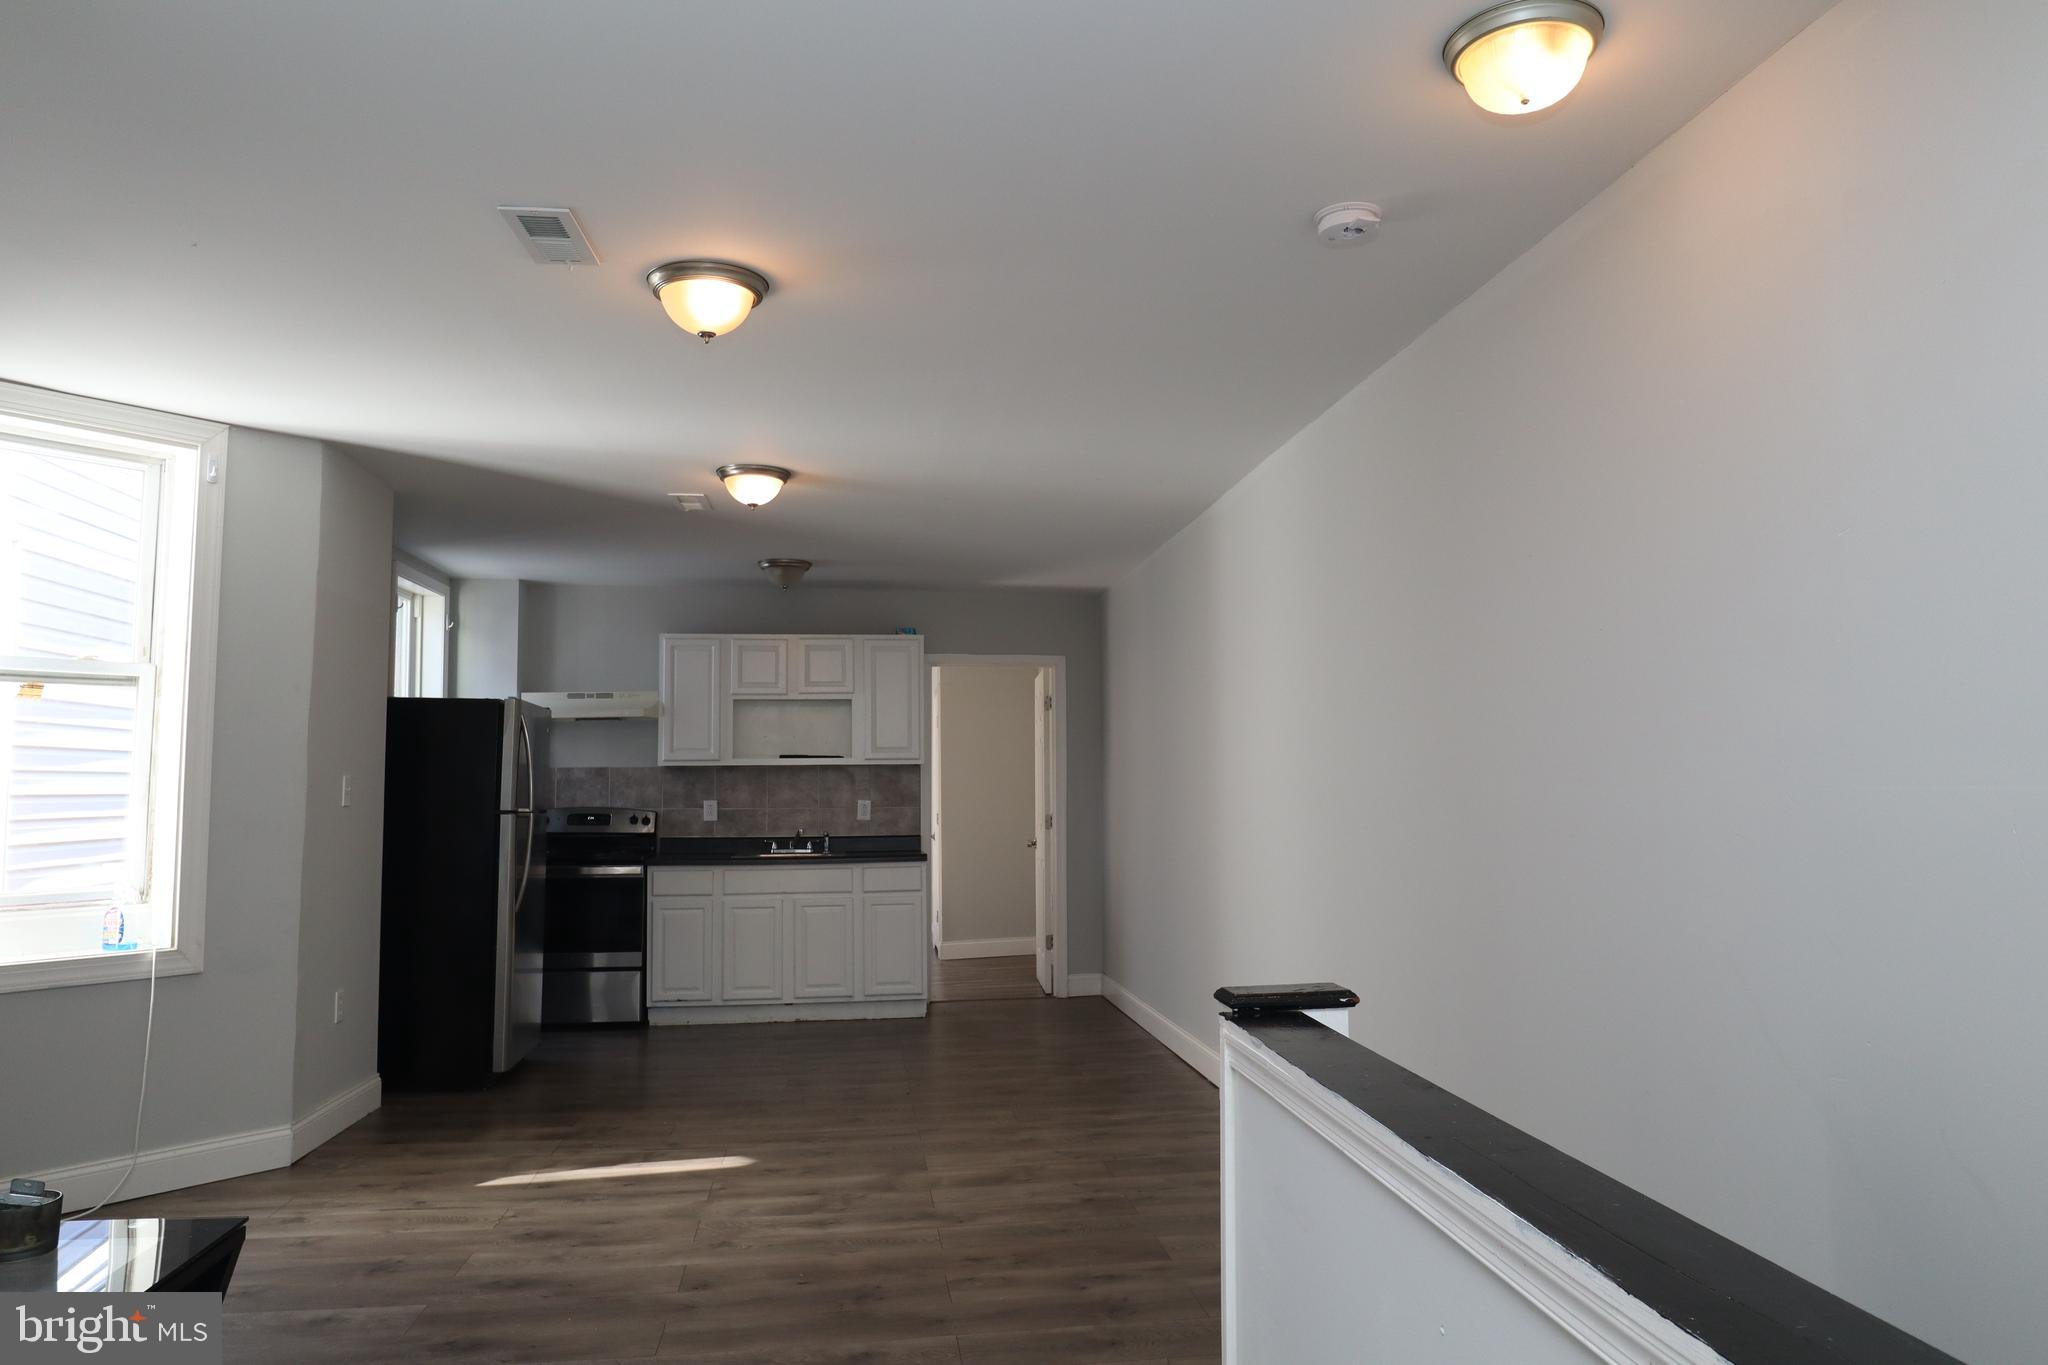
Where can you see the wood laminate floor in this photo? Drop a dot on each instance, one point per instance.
(984, 978)
(1026, 1182)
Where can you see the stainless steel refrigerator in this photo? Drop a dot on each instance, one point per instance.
(466, 787)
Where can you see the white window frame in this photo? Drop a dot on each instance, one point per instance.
(190, 459)
(433, 628)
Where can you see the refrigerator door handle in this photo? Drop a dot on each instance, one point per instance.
(526, 859)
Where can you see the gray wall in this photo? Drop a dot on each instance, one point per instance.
(486, 637)
(574, 638)
(1635, 689)
(223, 1057)
(343, 848)
(985, 771)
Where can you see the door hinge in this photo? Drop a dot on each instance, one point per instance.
(1048, 701)
(1048, 821)
(1048, 943)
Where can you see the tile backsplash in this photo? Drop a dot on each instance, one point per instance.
(755, 801)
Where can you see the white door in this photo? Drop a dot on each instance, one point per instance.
(753, 962)
(1040, 835)
(692, 699)
(889, 709)
(821, 667)
(760, 668)
(893, 948)
(821, 931)
(679, 951)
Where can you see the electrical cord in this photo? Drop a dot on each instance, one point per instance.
(141, 1095)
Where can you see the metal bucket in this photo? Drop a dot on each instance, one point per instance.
(29, 1214)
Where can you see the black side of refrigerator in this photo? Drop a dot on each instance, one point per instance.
(437, 972)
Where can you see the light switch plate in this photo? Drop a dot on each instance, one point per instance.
(863, 809)
(711, 811)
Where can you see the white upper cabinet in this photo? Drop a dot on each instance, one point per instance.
(888, 721)
(760, 668)
(692, 699)
(744, 699)
(822, 666)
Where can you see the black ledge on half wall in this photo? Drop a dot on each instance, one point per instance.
(1751, 1310)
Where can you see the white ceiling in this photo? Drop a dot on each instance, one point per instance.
(1044, 278)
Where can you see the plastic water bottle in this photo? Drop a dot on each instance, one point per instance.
(114, 935)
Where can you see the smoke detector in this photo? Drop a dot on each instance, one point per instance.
(692, 502)
(550, 236)
(785, 573)
(1348, 224)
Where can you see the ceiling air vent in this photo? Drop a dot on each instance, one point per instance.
(551, 236)
(693, 502)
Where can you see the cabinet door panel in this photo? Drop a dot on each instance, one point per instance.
(889, 710)
(894, 944)
(822, 929)
(692, 700)
(679, 951)
(822, 667)
(760, 668)
(753, 961)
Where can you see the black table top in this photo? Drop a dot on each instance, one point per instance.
(116, 1255)
(1749, 1309)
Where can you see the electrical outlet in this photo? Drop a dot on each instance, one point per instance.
(337, 1007)
(711, 812)
(863, 810)
(348, 789)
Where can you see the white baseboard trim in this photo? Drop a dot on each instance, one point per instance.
(183, 1165)
(987, 947)
(173, 1168)
(1084, 983)
(339, 1113)
(1184, 1045)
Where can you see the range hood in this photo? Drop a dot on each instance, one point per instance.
(596, 705)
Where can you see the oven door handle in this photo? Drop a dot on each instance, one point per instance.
(556, 871)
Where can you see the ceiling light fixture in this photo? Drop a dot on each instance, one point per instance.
(707, 298)
(754, 485)
(1526, 55)
(784, 573)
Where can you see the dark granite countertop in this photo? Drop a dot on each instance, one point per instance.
(846, 848)
(1749, 1309)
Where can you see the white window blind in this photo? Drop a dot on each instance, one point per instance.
(78, 537)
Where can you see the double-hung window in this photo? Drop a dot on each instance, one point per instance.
(109, 563)
(419, 645)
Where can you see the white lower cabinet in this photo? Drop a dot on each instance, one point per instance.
(764, 942)
(752, 927)
(680, 955)
(821, 947)
(893, 941)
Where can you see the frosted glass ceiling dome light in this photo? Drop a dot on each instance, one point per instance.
(1526, 55)
(785, 573)
(707, 298)
(754, 485)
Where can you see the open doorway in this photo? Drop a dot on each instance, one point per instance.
(996, 827)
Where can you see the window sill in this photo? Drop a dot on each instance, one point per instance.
(92, 971)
